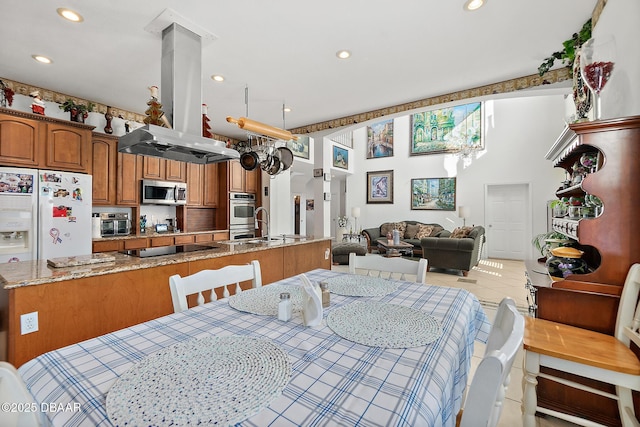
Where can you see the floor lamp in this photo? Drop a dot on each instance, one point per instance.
(464, 212)
(355, 213)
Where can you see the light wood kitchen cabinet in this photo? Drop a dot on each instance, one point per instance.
(241, 180)
(161, 241)
(203, 238)
(104, 169)
(210, 192)
(141, 243)
(20, 141)
(129, 171)
(67, 148)
(107, 246)
(184, 240)
(195, 175)
(202, 185)
(163, 169)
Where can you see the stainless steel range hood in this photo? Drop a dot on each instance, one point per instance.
(181, 98)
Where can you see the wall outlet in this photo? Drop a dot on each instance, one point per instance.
(28, 323)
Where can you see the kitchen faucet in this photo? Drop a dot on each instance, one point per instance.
(256, 220)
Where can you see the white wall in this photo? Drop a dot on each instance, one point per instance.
(518, 133)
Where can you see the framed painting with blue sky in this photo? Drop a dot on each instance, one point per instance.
(433, 194)
(447, 130)
(380, 139)
(340, 157)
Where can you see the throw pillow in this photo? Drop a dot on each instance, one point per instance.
(388, 227)
(412, 230)
(424, 231)
(461, 232)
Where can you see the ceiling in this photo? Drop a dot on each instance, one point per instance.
(284, 52)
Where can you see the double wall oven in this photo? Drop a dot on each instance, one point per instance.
(242, 207)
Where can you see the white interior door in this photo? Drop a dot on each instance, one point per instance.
(508, 221)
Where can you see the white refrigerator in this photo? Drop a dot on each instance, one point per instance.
(64, 214)
(44, 214)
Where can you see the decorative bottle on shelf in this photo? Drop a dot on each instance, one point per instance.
(284, 307)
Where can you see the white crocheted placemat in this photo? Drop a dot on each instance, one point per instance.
(384, 325)
(264, 300)
(356, 285)
(210, 381)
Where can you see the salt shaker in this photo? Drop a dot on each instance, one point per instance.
(284, 306)
(326, 298)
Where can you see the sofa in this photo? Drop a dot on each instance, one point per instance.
(461, 250)
(409, 232)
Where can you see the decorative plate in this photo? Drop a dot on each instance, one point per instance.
(383, 325)
(210, 381)
(356, 285)
(264, 300)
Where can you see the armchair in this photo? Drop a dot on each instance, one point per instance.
(454, 253)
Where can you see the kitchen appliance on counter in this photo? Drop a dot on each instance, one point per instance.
(164, 192)
(166, 250)
(44, 214)
(242, 207)
(114, 224)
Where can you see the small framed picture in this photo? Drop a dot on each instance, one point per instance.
(299, 147)
(380, 139)
(380, 187)
(340, 157)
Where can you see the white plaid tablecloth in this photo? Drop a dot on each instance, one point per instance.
(334, 382)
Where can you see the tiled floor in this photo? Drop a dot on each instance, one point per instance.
(490, 281)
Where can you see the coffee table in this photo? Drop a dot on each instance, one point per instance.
(391, 250)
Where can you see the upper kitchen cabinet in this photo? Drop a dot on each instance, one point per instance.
(67, 148)
(30, 140)
(19, 141)
(164, 169)
(202, 185)
(105, 156)
(241, 180)
(129, 173)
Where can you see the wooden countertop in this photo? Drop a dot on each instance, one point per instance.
(28, 273)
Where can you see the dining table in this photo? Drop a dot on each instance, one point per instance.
(326, 376)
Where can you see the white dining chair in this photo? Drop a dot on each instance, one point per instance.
(588, 354)
(484, 401)
(378, 264)
(206, 280)
(13, 391)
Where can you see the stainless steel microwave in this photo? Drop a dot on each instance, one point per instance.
(164, 192)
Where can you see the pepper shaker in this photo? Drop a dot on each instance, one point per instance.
(326, 297)
(284, 307)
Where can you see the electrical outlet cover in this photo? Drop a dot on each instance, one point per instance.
(28, 323)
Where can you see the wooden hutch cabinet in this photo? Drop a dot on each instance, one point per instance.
(609, 241)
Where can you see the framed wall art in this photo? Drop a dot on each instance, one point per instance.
(380, 139)
(380, 187)
(447, 130)
(433, 194)
(340, 157)
(299, 148)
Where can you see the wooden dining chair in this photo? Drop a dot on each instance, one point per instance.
(484, 401)
(13, 391)
(588, 354)
(210, 280)
(377, 264)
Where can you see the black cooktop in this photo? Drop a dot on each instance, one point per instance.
(166, 250)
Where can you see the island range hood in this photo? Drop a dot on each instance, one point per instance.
(181, 98)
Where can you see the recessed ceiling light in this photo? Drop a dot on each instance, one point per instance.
(218, 78)
(471, 5)
(42, 59)
(343, 54)
(69, 15)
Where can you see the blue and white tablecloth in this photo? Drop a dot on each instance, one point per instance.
(333, 382)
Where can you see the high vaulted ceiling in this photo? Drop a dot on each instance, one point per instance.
(284, 51)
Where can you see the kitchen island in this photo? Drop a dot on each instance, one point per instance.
(82, 302)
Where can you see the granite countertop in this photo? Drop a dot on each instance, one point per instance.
(27, 273)
(155, 234)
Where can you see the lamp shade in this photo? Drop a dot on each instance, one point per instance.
(355, 212)
(464, 211)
